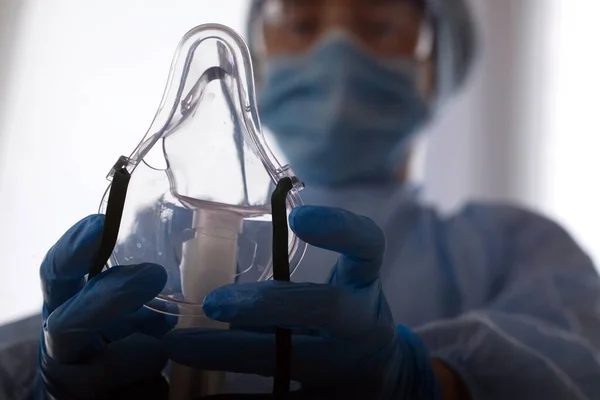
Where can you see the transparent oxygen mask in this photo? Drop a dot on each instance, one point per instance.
(202, 178)
(195, 196)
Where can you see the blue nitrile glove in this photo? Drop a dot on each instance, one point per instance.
(349, 345)
(97, 340)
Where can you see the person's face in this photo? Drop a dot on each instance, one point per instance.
(387, 28)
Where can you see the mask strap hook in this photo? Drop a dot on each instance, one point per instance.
(114, 213)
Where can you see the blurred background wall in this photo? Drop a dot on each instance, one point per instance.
(80, 82)
(526, 130)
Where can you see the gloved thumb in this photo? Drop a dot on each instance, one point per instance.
(360, 242)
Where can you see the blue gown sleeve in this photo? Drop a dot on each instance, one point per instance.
(18, 358)
(537, 336)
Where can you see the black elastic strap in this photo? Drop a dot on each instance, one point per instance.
(281, 272)
(112, 220)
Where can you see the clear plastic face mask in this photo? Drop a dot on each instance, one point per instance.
(199, 195)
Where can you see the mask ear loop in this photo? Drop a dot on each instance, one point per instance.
(114, 214)
(281, 272)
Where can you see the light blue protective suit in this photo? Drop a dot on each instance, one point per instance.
(503, 295)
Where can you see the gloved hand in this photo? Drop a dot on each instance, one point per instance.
(97, 340)
(349, 346)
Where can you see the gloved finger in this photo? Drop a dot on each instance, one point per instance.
(71, 330)
(155, 388)
(269, 329)
(306, 306)
(258, 396)
(135, 358)
(250, 353)
(240, 396)
(144, 321)
(358, 239)
(69, 260)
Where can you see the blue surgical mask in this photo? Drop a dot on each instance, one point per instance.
(340, 115)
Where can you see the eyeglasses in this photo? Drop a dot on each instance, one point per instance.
(386, 27)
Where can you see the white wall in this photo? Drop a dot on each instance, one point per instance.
(570, 122)
(475, 149)
(527, 130)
